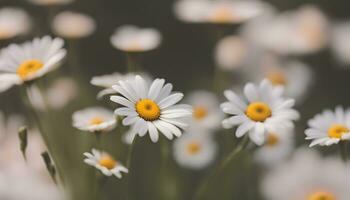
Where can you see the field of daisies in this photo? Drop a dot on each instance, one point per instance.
(174, 100)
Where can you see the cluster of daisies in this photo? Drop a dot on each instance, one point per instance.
(263, 51)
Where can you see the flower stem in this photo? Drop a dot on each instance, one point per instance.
(344, 151)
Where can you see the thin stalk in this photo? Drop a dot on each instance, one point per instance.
(132, 62)
(344, 151)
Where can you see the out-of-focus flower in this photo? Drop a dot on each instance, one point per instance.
(51, 2)
(105, 163)
(329, 127)
(266, 110)
(206, 110)
(13, 22)
(108, 80)
(218, 12)
(339, 42)
(151, 108)
(194, 150)
(307, 176)
(94, 119)
(278, 146)
(302, 31)
(231, 53)
(29, 61)
(133, 39)
(73, 25)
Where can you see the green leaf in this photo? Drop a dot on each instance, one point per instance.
(23, 140)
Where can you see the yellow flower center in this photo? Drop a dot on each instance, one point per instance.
(134, 46)
(321, 196)
(5, 34)
(107, 161)
(258, 111)
(337, 131)
(28, 68)
(193, 148)
(199, 112)
(148, 109)
(272, 139)
(277, 78)
(222, 15)
(96, 121)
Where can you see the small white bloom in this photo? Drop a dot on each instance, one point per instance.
(264, 110)
(29, 61)
(231, 52)
(277, 148)
(94, 119)
(73, 25)
(307, 176)
(51, 2)
(339, 42)
(218, 12)
(194, 150)
(151, 108)
(329, 127)
(13, 22)
(206, 110)
(133, 39)
(105, 163)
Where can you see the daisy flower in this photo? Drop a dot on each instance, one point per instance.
(151, 108)
(29, 61)
(329, 127)
(218, 12)
(307, 176)
(73, 25)
(105, 163)
(13, 22)
(277, 147)
(206, 110)
(265, 109)
(339, 41)
(94, 119)
(133, 39)
(50, 2)
(194, 151)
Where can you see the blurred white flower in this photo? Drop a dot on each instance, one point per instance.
(51, 2)
(231, 53)
(340, 40)
(13, 22)
(94, 119)
(105, 163)
(151, 108)
(278, 146)
(206, 110)
(264, 110)
(73, 25)
(219, 12)
(307, 176)
(194, 150)
(29, 61)
(329, 127)
(133, 39)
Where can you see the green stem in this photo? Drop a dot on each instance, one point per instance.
(344, 152)
(132, 62)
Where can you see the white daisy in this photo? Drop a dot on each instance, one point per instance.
(151, 108)
(51, 2)
(264, 110)
(13, 22)
(340, 41)
(278, 146)
(231, 53)
(206, 110)
(307, 176)
(194, 150)
(105, 163)
(133, 39)
(73, 25)
(108, 80)
(94, 119)
(329, 127)
(29, 61)
(218, 12)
